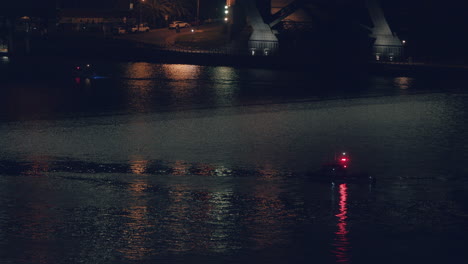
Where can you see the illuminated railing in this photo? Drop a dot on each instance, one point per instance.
(3, 46)
(388, 52)
(260, 48)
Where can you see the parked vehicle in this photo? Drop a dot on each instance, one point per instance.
(119, 30)
(181, 24)
(142, 28)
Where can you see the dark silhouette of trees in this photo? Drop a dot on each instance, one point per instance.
(157, 10)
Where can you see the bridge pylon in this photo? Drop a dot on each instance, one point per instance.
(387, 45)
(331, 15)
(262, 41)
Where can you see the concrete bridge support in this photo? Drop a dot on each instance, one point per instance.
(386, 45)
(262, 41)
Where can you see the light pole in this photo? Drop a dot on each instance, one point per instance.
(198, 13)
(139, 22)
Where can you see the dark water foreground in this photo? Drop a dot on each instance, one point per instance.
(139, 217)
(184, 164)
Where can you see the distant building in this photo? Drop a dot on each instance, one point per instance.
(85, 15)
(20, 21)
(90, 19)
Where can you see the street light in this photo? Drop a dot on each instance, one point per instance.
(198, 13)
(226, 12)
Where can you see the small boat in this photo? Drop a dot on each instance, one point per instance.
(85, 71)
(338, 172)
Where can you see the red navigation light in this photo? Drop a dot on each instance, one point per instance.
(78, 67)
(343, 160)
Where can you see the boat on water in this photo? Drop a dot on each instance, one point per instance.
(83, 71)
(339, 172)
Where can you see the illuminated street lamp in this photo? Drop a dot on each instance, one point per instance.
(403, 55)
(226, 12)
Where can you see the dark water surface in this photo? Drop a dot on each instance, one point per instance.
(148, 163)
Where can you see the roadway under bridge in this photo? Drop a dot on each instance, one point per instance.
(349, 26)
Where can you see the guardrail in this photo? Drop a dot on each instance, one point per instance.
(388, 52)
(268, 50)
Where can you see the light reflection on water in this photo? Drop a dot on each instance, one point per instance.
(404, 82)
(137, 232)
(146, 87)
(36, 220)
(4, 59)
(139, 226)
(179, 219)
(188, 211)
(138, 165)
(270, 218)
(342, 244)
(180, 168)
(268, 171)
(142, 186)
(181, 72)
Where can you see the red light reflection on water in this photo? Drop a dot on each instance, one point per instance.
(342, 244)
(35, 220)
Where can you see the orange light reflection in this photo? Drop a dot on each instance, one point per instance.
(181, 86)
(270, 216)
(181, 71)
(403, 82)
(139, 226)
(140, 85)
(38, 224)
(268, 172)
(180, 168)
(138, 166)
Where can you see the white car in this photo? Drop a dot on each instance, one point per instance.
(143, 28)
(119, 30)
(180, 23)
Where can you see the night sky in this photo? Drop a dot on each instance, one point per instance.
(436, 27)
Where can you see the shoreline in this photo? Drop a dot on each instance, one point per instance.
(131, 51)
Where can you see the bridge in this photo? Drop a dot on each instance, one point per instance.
(274, 24)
